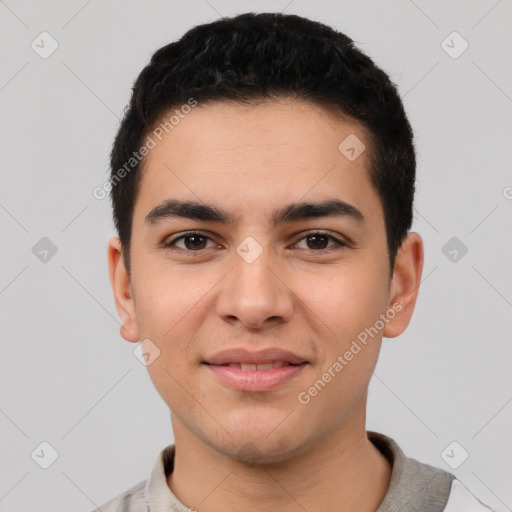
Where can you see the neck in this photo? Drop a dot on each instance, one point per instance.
(343, 471)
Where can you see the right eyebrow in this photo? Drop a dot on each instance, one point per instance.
(188, 210)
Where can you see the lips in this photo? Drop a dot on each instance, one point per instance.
(273, 356)
(248, 371)
(251, 367)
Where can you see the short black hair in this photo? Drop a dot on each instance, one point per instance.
(258, 56)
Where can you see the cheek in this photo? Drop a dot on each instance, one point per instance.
(167, 297)
(348, 304)
(170, 306)
(346, 300)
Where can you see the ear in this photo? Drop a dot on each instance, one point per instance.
(405, 284)
(121, 287)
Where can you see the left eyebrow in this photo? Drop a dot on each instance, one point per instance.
(304, 211)
(290, 213)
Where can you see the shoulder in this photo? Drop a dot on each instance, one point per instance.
(415, 485)
(461, 500)
(153, 489)
(132, 500)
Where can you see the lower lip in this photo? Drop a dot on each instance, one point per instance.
(256, 380)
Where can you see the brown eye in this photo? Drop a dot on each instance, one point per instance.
(318, 242)
(192, 242)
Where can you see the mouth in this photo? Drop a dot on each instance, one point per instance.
(252, 371)
(252, 367)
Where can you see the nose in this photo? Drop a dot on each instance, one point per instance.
(254, 292)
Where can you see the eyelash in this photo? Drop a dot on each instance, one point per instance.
(339, 243)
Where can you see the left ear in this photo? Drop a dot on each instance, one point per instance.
(405, 284)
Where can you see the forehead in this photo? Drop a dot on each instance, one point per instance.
(274, 152)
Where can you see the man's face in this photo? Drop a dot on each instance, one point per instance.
(255, 285)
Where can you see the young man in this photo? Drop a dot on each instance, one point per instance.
(262, 184)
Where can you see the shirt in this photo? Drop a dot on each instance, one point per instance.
(413, 487)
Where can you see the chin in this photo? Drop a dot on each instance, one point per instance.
(255, 448)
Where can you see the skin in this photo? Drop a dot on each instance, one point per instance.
(266, 450)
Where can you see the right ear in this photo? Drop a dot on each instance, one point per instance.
(121, 287)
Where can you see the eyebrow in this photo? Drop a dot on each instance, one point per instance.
(173, 208)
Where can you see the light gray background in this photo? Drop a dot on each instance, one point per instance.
(68, 378)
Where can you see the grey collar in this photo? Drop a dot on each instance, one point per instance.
(414, 486)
